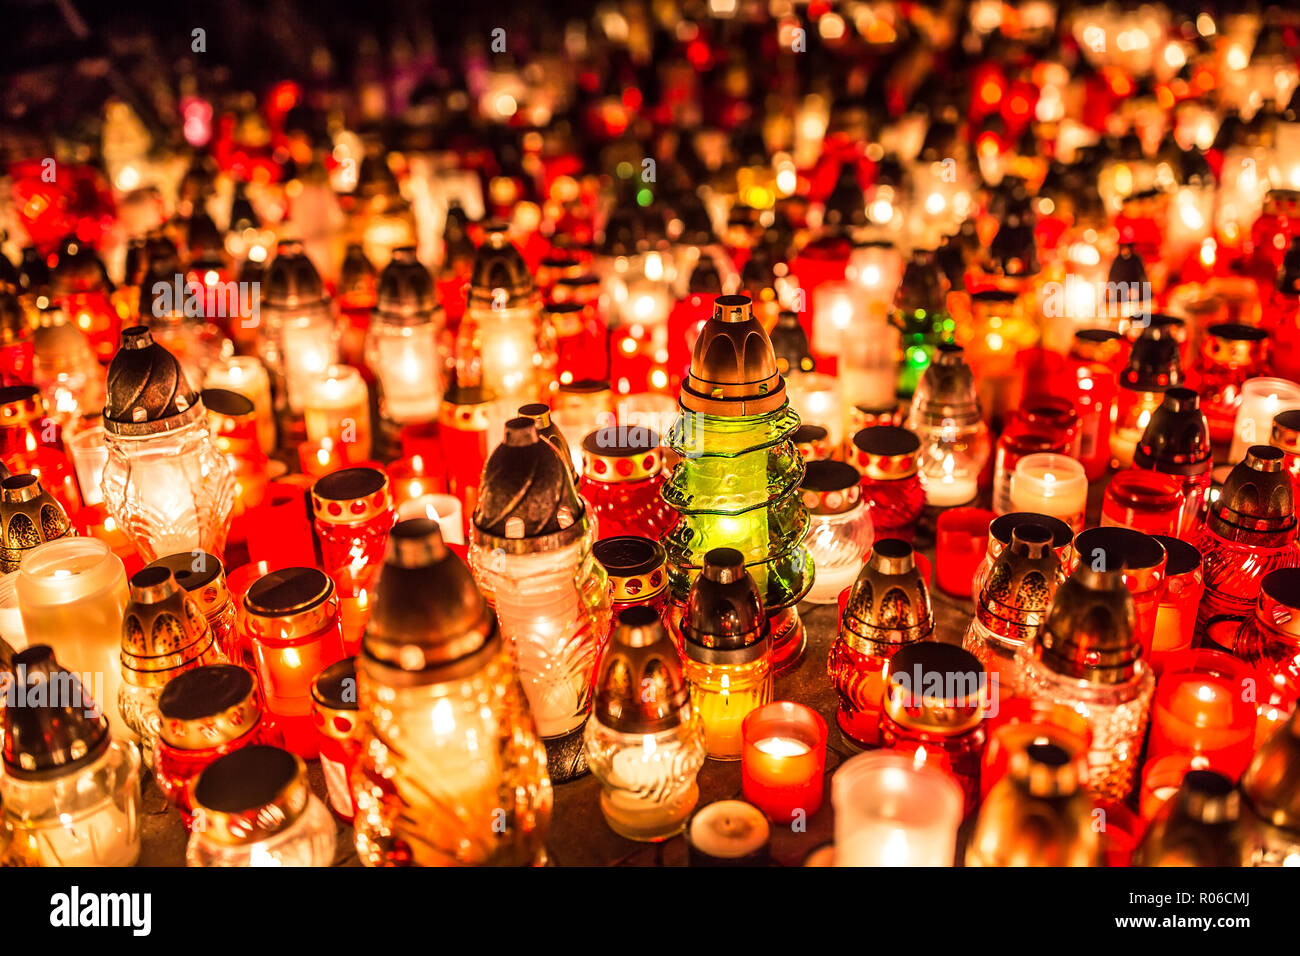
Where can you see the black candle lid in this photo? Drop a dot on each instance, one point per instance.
(1176, 440)
(55, 728)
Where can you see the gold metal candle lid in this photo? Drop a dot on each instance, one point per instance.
(1138, 555)
(334, 700)
(890, 602)
(29, 516)
(58, 731)
(1279, 601)
(724, 622)
(540, 413)
(148, 393)
(351, 496)
(885, 452)
(405, 294)
(1020, 584)
(21, 405)
(249, 795)
(527, 502)
(733, 368)
(500, 278)
(428, 621)
(1258, 499)
(621, 453)
(639, 685)
(290, 603)
(208, 706)
(936, 688)
(1271, 784)
(163, 630)
(1089, 630)
(634, 565)
(202, 575)
(830, 488)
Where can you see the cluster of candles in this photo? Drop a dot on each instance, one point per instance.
(467, 512)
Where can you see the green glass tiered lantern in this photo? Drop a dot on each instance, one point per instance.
(737, 482)
(921, 314)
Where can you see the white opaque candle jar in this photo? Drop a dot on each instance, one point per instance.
(89, 454)
(247, 376)
(837, 307)
(337, 406)
(1261, 400)
(892, 809)
(1050, 484)
(72, 594)
(310, 348)
(816, 397)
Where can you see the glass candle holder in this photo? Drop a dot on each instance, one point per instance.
(1087, 658)
(961, 536)
(1176, 614)
(338, 729)
(885, 457)
(1250, 531)
(892, 809)
(1002, 527)
(784, 762)
(1091, 384)
(621, 481)
(446, 729)
(163, 634)
(89, 453)
(298, 337)
(1230, 354)
(737, 481)
(1019, 724)
(444, 509)
(1286, 436)
(1261, 400)
(888, 608)
(254, 807)
(1195, 823)
(1143, 563)
(1049, 484)
(1176, 443)
(403, 345)
(72, 594)
(946, 416)
(1145, 501)
(336, 405)
(29, 444)
(1269, 640)
(636, 571)
(1202, 708)
(65, 368)
(726, 644)
(353, 513)
(280, 528)
(644, 742)
(935, 700)
(166, 484)
(71, 793)
(206, 713)
(292, 620)
(247, 375)
(840, 532)
(1153, 368)
(815, 398)
(1015, 443)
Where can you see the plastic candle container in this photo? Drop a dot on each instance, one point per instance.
(1202, 709)
(840, 533)
(1261, 400)
(1176, 615)
(784, 761)
(298, 338)
(1049, 484)
(254, 807)
(72, 594)
(89, 453)
(621, 481)
(726, 646)
(206, 713)
(336, 405)
(885, 457)
(71, 792)
(338, 729)
(1269, 640)
(1230, 355)
(444, 721)
(636, 571)
(645, 748)
(1145, 501)
(946, 416)
(1176, 443)
(961, 536)
(29, 517)
(292, 619)
(246, 375)
(1016, 442)
(893, 809)
(1141, 560)
(403, 346)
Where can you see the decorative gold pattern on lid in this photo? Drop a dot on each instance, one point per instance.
(885, 452)
(208, 706)
(351, 496)
(639, 684)
(29, 516)
(163, 630)
(621, 453)
(334, 701)
(889, 604)
(249, 795)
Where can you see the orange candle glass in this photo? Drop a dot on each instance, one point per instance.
(783, 763)
(1201, 709)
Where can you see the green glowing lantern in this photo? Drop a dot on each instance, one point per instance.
(920, 313)
(737, 482)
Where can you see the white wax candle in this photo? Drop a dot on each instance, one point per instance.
(945, 490)
(1050, 484)
(444, 509)
(892, 809)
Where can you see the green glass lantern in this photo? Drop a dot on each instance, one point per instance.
(920, 313)
(737, 482)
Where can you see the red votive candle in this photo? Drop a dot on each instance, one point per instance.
(1176, 614)
(1161, 779)
(280, 528)
(1147, 501)
(961, 536)
(1201, 709)
(783, 764)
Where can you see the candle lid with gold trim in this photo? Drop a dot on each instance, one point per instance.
(733, 369)
(639, 684)
(21, 405)
(1089, 633)
(500, 279)
(1257, 503)
(351, 496)
(635, 566)
(1234, 344)
(428, 620)
(202, 575)
(1286, 431)
(540, 413)
(29, 516)
(812, 441)
(935, 688)
(466, 407)
(1138, 555)
(724, 622)
(334, 700)
(830, 487)
(405, 294)
(885, 452)
(208, 706)
(290, 603)
(1197, 826)
(620, 453)
(1020, 585)
(1279, 601)
(1096, 345)
(163, 630)
(249, 795)
(889, 603)
(292, 282)
(148, 393)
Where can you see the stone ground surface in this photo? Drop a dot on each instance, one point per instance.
(578, 835)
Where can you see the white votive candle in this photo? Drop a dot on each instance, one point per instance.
(1050, 484)
(1261, 400)
(893, 809)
